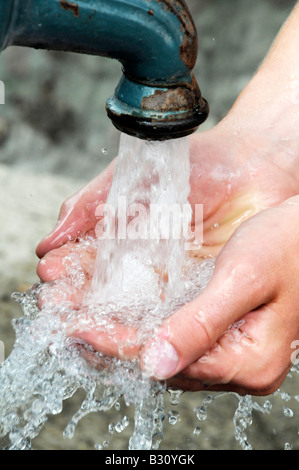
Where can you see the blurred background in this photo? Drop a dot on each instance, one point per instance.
(55, 137)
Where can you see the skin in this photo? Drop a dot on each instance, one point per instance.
(245, 172)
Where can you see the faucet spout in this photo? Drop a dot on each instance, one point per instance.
(155, 40)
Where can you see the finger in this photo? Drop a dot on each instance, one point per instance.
(113, 338)
(62, 296)
(242, 359)
(235, 289)
(69, 260)
(77, 214)
(180, 382)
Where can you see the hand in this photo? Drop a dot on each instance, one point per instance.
(237, 335)
(262, 246)
(245, 172)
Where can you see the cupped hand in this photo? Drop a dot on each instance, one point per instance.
(237, 334)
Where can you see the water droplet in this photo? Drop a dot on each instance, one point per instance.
(37, 406)
(208, 400)
(288, 412)
(285, 396)
(175, 396)
(288, 446)
(104, 151)
(17, 297)
(111, 428)
(267, 406)
(197, 431)
(156, 441)
(121, 425)
(69, 431)
(201, 413)
(173, 417)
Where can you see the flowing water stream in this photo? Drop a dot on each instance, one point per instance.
(142, 274)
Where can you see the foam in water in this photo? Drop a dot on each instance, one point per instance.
(138, 282)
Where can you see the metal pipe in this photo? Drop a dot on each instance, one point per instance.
(155, 40)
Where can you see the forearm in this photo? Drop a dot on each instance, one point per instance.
(269, 105)
(276, 83)
(283, 56)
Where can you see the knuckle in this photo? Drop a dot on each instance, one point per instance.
(201, 331)
(67, 205)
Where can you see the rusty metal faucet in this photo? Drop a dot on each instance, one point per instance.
(156, 42)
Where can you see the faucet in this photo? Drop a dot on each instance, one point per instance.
(156, 42)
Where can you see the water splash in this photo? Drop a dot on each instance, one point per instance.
(137, 282)
(46, 367)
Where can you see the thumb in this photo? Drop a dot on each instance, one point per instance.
(195, 328)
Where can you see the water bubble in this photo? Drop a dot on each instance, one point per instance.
(37, 406)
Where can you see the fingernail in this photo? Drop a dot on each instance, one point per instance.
(160, 360)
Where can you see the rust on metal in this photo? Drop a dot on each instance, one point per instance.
(73, 7)
(174, 99)
(189, 47)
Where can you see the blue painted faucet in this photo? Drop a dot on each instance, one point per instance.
(156, 42)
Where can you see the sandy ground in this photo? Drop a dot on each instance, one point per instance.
(52, 129)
